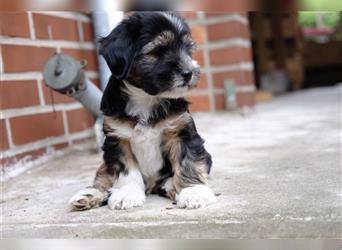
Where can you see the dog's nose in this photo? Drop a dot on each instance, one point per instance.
(186, 75)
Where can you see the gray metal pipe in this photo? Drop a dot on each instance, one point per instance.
(90, 97)
(65, 75)
(103, 23)
(101, 29)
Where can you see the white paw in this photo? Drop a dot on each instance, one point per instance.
(195, 197)
(86, 198)
(127, 196)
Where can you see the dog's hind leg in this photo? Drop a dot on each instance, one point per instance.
(95, 196)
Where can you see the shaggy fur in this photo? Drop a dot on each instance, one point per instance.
(151, 144)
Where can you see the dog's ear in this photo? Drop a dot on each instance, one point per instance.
(118, 49)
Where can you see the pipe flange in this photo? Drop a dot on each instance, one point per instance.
(64, 74)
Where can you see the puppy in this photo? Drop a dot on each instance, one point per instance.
(151, 143)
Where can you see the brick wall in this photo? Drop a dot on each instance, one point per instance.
(28, 125)
(224, 53)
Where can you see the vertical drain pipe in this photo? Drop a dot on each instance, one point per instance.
(103, 22)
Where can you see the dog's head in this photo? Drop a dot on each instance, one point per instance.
(152, 51)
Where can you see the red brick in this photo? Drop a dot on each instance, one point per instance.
(97, 82)
(3, 135)
(231, 6)
(88, 32)
(89, 55)
(199, 103)
(32, 155)
(14, 24)
(81, 141)
(199, 57)
(222, 13)
(245, 99)
(56, 97)
(243, 13)
(188, 14)
(60, 145)
(220, 103)
(79, 120)
(230, 55)
(60, 28)
(215, 13)
(30, 128)
(240, 78)
(198, 33)
(227, 30)
(17, 58)
(203, 82)
(18, 94)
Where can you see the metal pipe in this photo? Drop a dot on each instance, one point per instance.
(90, 97)
(103, 23)
(65, 75)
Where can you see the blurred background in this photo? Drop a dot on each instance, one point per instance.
(245, 57)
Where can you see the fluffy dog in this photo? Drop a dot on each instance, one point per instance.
(151, 143)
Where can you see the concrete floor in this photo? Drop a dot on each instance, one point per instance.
(278, 171)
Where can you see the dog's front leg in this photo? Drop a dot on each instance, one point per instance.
(128, 191)
(191, 187)
(190, 181)
(191, 165)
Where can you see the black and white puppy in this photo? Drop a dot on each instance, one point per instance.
(151, 143)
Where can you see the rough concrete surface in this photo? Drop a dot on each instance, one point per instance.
(278, 170)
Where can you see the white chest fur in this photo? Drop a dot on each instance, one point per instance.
(145, 143)
(145, 140)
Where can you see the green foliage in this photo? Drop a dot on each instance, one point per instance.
(331, 18)
(320, 5)
(308, 18)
